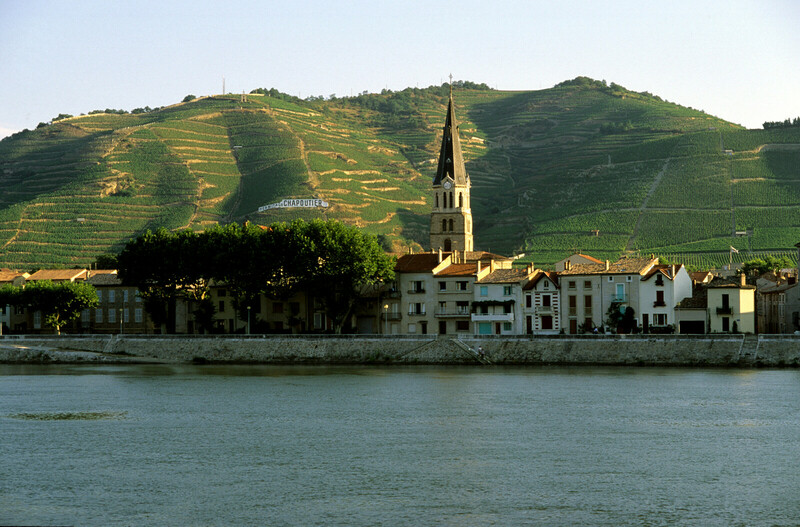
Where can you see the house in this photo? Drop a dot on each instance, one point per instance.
(119, 310)
(497, 304)
(542, 308)
(731, 306)
(590, 290)
(661, 288)
(576, 258)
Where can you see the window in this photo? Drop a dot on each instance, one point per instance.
(573, 305)
(137, 296)
(506, 308)
(587, 284)
(319, 320)
(222, 293)
(506, 326)
(37, 319)
(547, 284)
(137, 315)
(571, 284)
(659, 299)
(620, 297)
(629, 278)
(460, 199)
(506, 290)
(294, 308)
(610, 278)
(277, 308)
(98, 316)
(484, 290)
(412, 328)
(443, 308)
(546, 300)
(462, 325)
(126, 315)
(417, 308)
(450, 226)
(221, 307)
(99, 295)
(659, 279)
(437, 200)
(112, 316)
(124, 295)
(112, 297)
(587, 304)
(442, 286)
(417, 286)
(660, 319)
(462, 286)
(547, 322)
(444, 225)
(528, 300)
(462, 307)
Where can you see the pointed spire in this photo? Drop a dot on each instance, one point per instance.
(451, 161)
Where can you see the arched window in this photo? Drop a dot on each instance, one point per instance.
(444, 225)
(437, 200)
(451, 226)
(460, 200)
(452, 203)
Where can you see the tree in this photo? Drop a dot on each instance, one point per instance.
(106, 261)
(347, 263)
(189, 98)
(59, 303)
(759, 266)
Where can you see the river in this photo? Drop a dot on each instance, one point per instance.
(363, 446)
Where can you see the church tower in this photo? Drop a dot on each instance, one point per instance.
(451, 216)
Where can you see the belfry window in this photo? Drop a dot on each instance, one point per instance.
(437, 200)
(444, 225)
(460, 199)
(451, 226)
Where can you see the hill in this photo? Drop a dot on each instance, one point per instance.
(580, 166)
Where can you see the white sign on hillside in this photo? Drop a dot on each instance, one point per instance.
(292, 203)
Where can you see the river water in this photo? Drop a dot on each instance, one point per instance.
(293, 445)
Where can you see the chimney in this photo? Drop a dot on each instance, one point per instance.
(479, 266)
(608, 265)
(491, 265)
(673, 270)
(440, 255)
(567, 265)
(743, 279)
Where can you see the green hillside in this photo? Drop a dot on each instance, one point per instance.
(581, 166)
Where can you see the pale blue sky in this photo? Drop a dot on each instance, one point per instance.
(739, 60)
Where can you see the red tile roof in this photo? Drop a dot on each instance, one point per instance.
(463, 269)
(417, 263)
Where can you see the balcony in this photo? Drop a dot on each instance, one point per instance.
(391, 316)
(414, 313)
(444, 313)
(493, 317)
(659, 303)
(415, 291)
(544, 310)
(572, 311)
(621, 299)
(725, 310)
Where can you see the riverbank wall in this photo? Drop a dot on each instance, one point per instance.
(655, 350)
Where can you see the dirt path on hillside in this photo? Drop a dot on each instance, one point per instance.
(650, 191)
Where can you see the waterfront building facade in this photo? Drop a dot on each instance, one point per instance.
(542, 304)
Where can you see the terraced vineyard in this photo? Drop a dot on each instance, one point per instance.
(578, 167)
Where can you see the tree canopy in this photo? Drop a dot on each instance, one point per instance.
(327, 259)
(59, 302)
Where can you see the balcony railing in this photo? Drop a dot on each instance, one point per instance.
(463, 312)
(493, 317)
(572, 311)
(659, 303)
(391, 316)
(725, 310)
(622, 299)
(544, 309)
(413, 291)
(416, 313)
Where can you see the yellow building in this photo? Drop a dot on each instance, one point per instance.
(731, 306)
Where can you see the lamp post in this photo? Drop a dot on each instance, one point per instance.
(386, 319)
(120, 321)
(248, 320)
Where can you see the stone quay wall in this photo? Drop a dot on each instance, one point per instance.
(655, 350)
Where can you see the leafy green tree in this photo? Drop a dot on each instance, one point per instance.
(189, 98)
(347, 262)
(759, 266)
(59, 303)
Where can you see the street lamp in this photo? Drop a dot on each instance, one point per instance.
(248, 320)
(386, 318)
(120, 321)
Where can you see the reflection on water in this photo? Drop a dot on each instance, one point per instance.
(338, 445)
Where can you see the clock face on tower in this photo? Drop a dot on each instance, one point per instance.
(447, 185)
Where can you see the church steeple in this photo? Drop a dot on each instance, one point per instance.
(451, 161)
(451, 217)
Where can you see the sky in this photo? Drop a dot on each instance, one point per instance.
(738, 60)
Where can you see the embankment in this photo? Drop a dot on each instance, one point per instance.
(666, 350)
